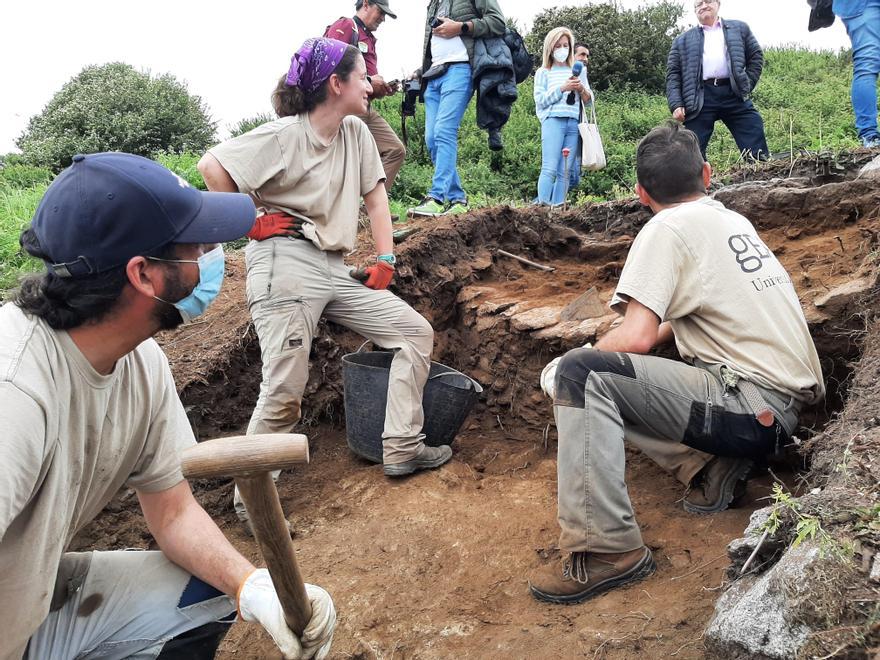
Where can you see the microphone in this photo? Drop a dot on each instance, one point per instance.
(575, 73)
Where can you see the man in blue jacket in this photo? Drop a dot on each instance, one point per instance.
(711, 72)
(862, 21)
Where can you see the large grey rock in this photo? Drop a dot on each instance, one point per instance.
(754, 619)
(872, 169)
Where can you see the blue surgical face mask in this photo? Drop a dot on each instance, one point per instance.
(211, 268)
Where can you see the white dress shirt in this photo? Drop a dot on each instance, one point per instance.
(714, 52)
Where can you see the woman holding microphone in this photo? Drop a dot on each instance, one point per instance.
(558, 99)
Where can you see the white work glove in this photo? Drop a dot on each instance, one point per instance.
(257, 601)
(548, 375)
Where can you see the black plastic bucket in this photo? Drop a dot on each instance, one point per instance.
(448, 398)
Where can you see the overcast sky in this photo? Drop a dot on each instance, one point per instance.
(232, 56)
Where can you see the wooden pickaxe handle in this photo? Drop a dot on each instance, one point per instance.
(273, 536)
(250, 459)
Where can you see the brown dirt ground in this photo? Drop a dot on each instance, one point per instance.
(435, 565)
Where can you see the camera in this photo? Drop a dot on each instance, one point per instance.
(412, 90)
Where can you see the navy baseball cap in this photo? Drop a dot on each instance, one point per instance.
(107, 208)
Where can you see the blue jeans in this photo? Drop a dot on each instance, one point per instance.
(446, 99)
(864, 33)
(556, 134)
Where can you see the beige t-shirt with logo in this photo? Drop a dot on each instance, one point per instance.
(286, 167)
(71, 438)
(704, 269)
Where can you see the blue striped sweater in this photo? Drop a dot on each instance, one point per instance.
(549, 101)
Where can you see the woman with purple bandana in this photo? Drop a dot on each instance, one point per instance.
(307, 172)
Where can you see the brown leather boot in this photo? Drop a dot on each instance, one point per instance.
(587, 574)
(718, 485)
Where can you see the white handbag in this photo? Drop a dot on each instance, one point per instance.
(593, 154)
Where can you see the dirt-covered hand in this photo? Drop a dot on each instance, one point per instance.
(377, 276)
(275, 224)
(258, 602)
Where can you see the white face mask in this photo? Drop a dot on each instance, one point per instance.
(561, 54)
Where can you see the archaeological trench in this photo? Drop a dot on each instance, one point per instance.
(435, 566)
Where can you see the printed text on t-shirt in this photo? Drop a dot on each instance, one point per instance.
(750, 252)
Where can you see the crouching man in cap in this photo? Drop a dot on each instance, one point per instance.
(88, 405)
(697, 273)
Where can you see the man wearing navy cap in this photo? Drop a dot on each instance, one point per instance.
(88, 405)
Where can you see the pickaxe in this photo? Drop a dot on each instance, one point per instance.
(251, 459)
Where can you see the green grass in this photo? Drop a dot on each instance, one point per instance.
(17, 206)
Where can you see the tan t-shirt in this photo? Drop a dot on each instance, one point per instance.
(286, 167)
(704, 269)
(70, 439)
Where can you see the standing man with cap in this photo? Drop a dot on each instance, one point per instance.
(358, 31)
(711, 72)
(88, 405)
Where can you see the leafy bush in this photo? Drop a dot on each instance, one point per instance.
(249, 123)
(17, 206)
(628, 47)
(184, 165)
(23, 176)
(113, 107)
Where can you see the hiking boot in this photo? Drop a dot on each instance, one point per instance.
(426, 458)
(429, 208)
(457, 207)
(587, 574)
(718, 485)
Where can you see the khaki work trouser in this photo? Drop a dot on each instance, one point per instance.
(669, 410)
(391, 149)
(290, 285)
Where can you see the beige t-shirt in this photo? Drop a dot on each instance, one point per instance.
(286, 167)
(71, 438)
(704, 269)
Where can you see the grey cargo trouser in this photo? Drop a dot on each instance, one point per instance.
(290, 285)
(679, 415)
(123, 604)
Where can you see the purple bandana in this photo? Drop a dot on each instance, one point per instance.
(313, 63)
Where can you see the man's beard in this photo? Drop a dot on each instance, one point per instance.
(166, 314)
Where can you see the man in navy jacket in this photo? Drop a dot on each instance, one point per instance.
(711, 72)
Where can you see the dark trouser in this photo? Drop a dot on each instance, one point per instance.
(740, 117)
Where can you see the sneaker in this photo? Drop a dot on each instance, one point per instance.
(426, 458)
(587, 574)
(457, 207)
(718, 485)
(871, 142)
(429, 207)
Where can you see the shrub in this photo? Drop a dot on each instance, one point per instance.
(113, 107)
(23, 176)
(250, 123)
(184, 165)
(628, 47)
(17, 206)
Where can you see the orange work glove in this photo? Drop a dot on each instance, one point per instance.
(275, 224)
(378, 276)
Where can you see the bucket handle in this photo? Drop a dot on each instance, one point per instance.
(470, 381)
(361, 347)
